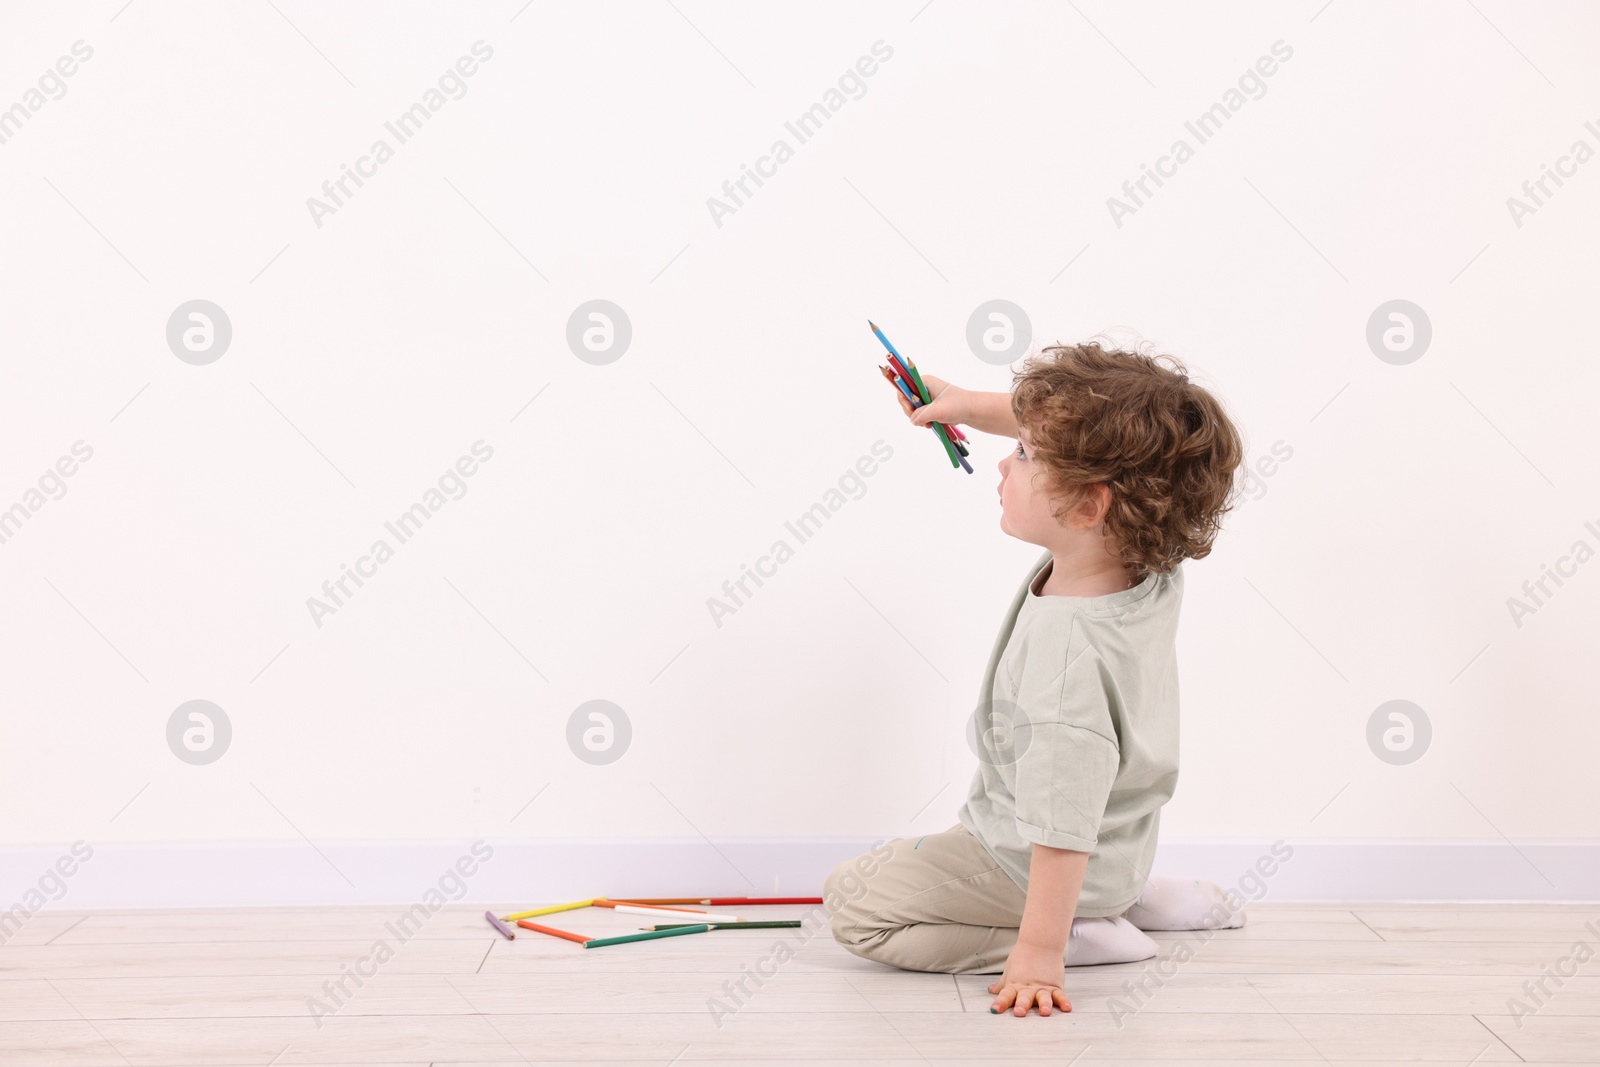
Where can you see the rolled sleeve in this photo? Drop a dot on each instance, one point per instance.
(1063, 780)
(1068, 761)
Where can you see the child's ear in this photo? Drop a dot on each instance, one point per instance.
(1102, 500)
(1092, 505)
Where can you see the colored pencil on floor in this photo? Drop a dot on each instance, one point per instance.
(717, 901)
(553, 932)
(774, 924)
(687, 914)
(659, 900)
(610, 902)
(510, 934)
(600, 942)
(514, 916)
(725, 901)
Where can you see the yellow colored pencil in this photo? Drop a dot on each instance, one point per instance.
(574, 906)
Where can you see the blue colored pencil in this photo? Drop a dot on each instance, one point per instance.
(893, 351)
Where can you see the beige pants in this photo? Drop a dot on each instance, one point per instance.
(937, 903)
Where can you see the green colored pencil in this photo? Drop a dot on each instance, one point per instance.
(950, 448)
(771, 924)
(944, 439)
(927, 398)
(601, 942)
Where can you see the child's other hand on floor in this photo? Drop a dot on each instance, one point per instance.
(1033, 977)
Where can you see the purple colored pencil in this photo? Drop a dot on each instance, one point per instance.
(510, 934)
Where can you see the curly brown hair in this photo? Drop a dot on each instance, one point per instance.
(1162, 444)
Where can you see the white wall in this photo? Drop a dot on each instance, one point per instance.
(370, 352)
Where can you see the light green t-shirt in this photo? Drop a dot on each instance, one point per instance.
(1077, 733)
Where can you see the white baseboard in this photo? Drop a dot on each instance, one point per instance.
(532, 870)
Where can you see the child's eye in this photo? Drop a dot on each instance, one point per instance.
(1020, 453)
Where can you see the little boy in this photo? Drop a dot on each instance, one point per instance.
(1123, 470)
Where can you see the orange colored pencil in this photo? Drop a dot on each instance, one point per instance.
(720, 901)
(658, 900)
(553, 932)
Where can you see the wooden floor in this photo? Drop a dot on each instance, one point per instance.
(1320, 984)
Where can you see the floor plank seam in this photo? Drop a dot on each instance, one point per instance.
(1497, 1038)
(1368, 925)
(65, 932)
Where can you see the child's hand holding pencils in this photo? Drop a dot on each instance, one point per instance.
(987, 412)
(949, 404)
(913, 392)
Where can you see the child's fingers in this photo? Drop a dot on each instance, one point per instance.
(1043, 999)
(1061, 1000)
(1008, 994)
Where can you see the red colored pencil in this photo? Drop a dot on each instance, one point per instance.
(912, 383)
(909, 380)
(910, 391)
(553, 932)
(715, 901)
(902, 389)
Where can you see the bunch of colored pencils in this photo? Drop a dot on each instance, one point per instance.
(696, 921)
(903, 375)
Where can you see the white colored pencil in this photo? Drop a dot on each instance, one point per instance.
(669, 913)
